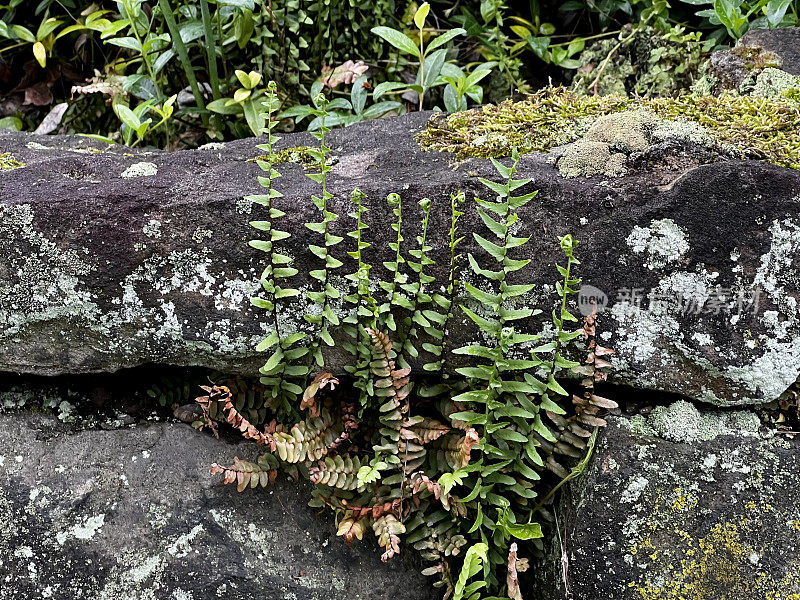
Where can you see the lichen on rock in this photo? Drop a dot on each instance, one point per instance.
(8, 162)
(140, 169)
(683, 422)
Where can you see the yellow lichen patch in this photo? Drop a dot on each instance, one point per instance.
(764, 128)
(718, 566)
(8, 162)
(683, 501)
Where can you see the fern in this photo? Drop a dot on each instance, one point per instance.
(247, 474)
(326, 317)
(418, 298)
(365, 309)
(444, 304)
(392, 387)
(467, 473)
(394, 298)
(280, 368)
(503, 400)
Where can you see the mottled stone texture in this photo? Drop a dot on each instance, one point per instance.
(134, 514)
(659, 520)
(123, 257)
(756, 50)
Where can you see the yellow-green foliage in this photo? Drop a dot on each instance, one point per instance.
(8, 162)
(297, 154)
(764, 128)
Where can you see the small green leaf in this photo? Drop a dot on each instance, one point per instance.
(398, 39)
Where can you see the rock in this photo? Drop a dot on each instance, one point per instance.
(103, 272)
(659, 520)
(759, 49)
(135, 514)
(782, 42)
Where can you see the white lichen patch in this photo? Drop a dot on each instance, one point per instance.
(684, 422)
(778, 364)
(140, 169)
(663, 243)
(152, 229)
(48, 275)
(182, 546)
(653, 340)
(634, 489)
(85, 530)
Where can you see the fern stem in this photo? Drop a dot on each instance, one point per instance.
(419, 295)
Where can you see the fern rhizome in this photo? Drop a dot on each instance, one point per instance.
(455, 462)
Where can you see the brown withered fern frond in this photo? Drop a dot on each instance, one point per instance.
(388, 529)
(321, 381)
(246, 474)
(347, 415)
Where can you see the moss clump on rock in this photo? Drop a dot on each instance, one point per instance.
(298, 154)
(586, 158)
(774, 83)
(683, 422)
(758, 127)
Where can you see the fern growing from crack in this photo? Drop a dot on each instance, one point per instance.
(457, 468)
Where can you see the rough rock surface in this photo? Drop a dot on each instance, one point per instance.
(704, 518)
(756, 50)
(124, 257)
(135, 514)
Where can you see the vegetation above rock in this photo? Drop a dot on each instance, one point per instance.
(759, 127)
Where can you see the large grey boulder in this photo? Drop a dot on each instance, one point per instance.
(710, 512)
(134, 514)
(119, 257)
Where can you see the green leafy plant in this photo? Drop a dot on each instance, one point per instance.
(341, 111)
(733, 18)
(462, 87)
(280, 372)
(324, 296)
(248, 100)
(134, 121)
(430, 59)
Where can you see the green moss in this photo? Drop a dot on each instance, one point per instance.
(8, 162)
(763, 128)
(298, 154)
(755, 58)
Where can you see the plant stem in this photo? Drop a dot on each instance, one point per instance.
(184, 56)
(421, 70)
(211, 52)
